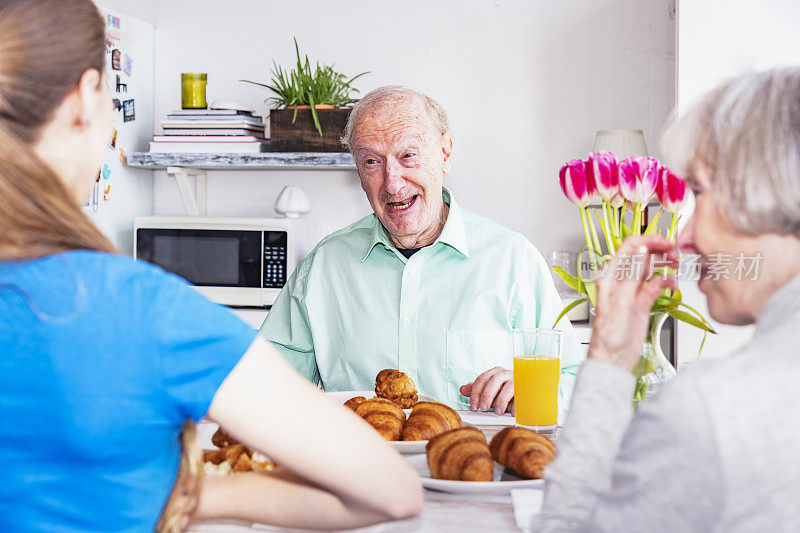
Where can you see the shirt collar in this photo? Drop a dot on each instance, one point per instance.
(453, 234)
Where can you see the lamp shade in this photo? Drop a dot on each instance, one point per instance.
(624, 143)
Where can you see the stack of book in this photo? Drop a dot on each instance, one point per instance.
(211, 130)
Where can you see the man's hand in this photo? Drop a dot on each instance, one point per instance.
(493, 388)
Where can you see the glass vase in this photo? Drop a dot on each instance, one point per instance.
(653, 369)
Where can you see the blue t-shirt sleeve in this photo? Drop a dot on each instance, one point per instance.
(198, 343)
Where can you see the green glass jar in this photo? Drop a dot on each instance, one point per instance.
(193, 90)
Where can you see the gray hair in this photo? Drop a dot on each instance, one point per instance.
(748, 132)
(392, 93)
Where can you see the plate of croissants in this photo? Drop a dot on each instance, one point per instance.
(398, 413)
(460, 461)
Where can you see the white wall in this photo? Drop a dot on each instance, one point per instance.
(143, 10)
(526, 83)
(718, 39)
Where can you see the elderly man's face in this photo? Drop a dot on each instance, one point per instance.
(401, 160)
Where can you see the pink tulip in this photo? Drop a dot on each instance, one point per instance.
(603, 171)
(671, 191)
(638, 178)
(575, 183)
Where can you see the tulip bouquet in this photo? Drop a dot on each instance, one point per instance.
(624, 189)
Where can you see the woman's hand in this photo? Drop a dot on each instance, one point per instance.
(268, 406)
(625, 293)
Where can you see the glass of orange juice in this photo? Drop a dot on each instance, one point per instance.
(537, 367)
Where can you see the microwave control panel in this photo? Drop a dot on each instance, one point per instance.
(275, 262)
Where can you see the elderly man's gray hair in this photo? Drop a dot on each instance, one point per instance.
(392, 93)
(748, 132)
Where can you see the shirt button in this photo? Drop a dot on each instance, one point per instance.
(412, 271)
(406, 321)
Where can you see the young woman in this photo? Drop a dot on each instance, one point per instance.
(103, 359)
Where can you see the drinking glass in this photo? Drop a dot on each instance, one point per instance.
(537, 367)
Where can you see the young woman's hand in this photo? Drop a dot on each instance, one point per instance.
(268, 406)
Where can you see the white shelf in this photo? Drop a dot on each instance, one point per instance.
(254, 161)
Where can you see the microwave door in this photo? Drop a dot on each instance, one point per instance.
(224, 265)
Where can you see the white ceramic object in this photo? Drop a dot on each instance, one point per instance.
(292, 202)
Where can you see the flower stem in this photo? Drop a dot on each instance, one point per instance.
(589, 246)
(637, 219)
(595, 240)
(673, 226)
(607, 227)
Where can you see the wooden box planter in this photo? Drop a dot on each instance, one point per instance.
(302, 136)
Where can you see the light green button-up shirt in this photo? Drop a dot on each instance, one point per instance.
(355, 306)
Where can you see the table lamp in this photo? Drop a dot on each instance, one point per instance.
(624, 143)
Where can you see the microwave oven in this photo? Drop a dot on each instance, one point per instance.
(239, 262)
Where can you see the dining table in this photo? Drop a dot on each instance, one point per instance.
(442, 512)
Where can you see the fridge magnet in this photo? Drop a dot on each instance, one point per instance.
(117, 104)
(121, 87)
(114, 139)
(106, 191)
(127, 65)
(112, 28)
(106, 172)
(116, 55)
(121, 155)
(128, 111)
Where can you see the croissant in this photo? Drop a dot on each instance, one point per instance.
(460, 454)
(387, 418)
(221, 439)
(429, 419)
(396, 387)
(352, 403)
(523, 450)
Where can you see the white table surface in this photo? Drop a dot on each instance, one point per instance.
(441, 513)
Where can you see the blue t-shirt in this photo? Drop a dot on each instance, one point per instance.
(101, 361)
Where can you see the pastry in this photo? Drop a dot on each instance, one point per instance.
(460, 455)
(396, 387)
(386, 417)
(523, 450)
(232, 456)
(352, 403)
(429, 419)
(221, 439)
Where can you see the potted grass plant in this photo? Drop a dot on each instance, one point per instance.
(312, 105)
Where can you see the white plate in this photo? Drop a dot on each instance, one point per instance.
(504, 480)
(404, 447)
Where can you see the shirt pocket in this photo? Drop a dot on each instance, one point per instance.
(470, 354)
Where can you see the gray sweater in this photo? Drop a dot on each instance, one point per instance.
(717, 450)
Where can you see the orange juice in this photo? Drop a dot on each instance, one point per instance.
(536, 390)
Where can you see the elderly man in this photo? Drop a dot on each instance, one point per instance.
(420, 285)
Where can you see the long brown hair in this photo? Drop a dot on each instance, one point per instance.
(45, 47)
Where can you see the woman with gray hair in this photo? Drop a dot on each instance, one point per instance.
(716, 450)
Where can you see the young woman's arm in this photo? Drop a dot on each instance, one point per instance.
(280, 499)
(264, 403)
